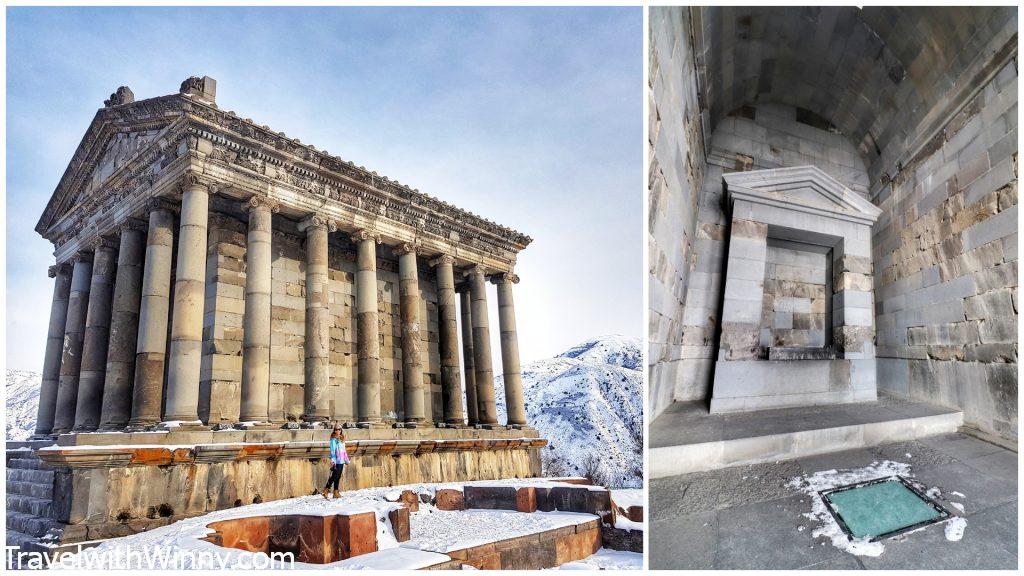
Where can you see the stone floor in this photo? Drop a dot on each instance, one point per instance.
(746, 517)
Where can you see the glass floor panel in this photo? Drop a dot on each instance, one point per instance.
(881, 508)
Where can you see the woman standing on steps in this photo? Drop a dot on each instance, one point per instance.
(339, 458)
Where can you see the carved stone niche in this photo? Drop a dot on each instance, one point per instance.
(797, 308)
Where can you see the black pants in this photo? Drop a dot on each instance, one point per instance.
(335, 478)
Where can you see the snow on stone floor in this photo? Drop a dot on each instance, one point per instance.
(812, 484)
(432, 531)
(606, 559)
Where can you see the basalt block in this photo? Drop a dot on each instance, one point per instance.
(448, 499)
(399, 518)
(490, 497)
(526, 500)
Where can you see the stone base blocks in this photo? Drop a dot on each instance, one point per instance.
(310, 539)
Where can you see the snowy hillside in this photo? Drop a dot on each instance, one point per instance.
(22, 403)
(588, 402)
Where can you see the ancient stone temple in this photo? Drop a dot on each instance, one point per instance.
(833, 218)
(224, 292)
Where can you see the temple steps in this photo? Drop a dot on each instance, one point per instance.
(686, 438)
(29, 499)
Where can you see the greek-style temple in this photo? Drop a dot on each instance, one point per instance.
(223, 293)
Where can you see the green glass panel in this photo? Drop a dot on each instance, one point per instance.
(880, 508)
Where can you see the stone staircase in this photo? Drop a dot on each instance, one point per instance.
(29, 498)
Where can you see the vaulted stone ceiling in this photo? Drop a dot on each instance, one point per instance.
(878, 74)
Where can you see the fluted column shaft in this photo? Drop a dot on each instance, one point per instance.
(151, 345)
(514, 406)
(472, 404)
(412, 353)
(97, 337)
(316, 403)
(74, 336)
(448, 341)
(182, 403)
(482, 348)
(54, 345)
(367, 330)
(124, 328)
(256, 322)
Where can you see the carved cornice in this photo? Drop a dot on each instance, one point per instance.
(103, 243)
(258, 202)
(317, 221)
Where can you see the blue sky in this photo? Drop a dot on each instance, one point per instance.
(531, 117)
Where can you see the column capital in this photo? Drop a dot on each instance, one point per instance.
(162, 203)
(316, 220)
(363, 234)
(133, 224)
(192, 179)
(84, 254)
(475, 269)
(61, 267)
(103, 243)
(443, 259)
(258, 202)
(405, 248)
(503, 277)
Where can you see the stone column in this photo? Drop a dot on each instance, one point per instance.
(97, 336)
(54, 344)
(316, 403)
(124, 328)
(182, 404)
(256, 322)
(448, 340)
(412, 353)
(486, 412)
(151, 346)
(472, 404)
(367, 330)
(74, 337)
(514, 405)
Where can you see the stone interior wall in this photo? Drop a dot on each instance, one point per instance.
(676, 173)
(945, 252)
(796, 296)
(772, 138)
(223, 333)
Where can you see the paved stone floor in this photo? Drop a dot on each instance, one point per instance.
(747, 518)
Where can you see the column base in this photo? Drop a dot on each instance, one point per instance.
(316, 425)
(452, 425)
(372, 424)
(526, 427)
(112, 428)
(140, 427)
(43, 437)
(255, 426)
(494, 426)
(196, 426)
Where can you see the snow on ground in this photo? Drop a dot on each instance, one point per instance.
(626, 497)
(588, 402)
(432, 531)
(22, 403)
(828, 528)
(606, 559)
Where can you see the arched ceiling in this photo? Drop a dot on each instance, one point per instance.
(878, 74)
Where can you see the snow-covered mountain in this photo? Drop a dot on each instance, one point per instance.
(588, 402)
(22, 403)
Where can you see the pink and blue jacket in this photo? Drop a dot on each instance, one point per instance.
(338, 453)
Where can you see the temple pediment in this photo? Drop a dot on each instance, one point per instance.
(801, 188)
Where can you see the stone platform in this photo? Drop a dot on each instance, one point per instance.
(686, 438)
(94, 486)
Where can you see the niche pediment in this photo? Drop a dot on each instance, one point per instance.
(803, 189)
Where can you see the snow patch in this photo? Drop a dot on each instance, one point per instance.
(955, 528)
(605, 559)
(22, 403)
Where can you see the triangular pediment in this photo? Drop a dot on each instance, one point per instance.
(116, 136)
(804, 188)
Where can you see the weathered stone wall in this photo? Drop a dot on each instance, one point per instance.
(945, 253)
(223, 333)
(676, 173)
(796, 297)
(771, 139)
